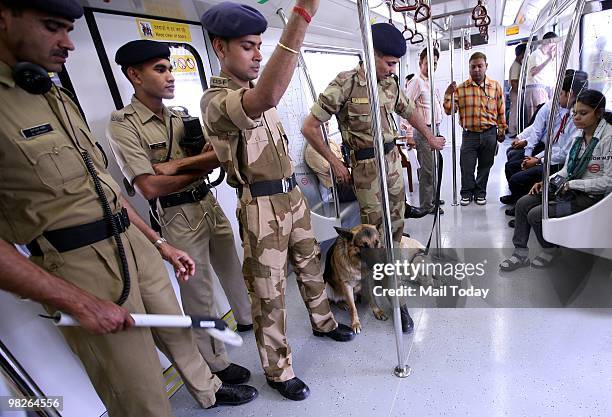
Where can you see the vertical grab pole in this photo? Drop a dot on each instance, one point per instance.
(432, 120)
(401, 370)
(302, 63)
(449, 22)
(569, 40)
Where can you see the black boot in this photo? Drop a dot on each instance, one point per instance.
(294, 389)
(414, 212)
(342, 333)
(233, 374)
(229, 394)
(407, 322)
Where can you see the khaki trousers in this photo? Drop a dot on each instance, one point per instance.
(202, 230)
(124, 367)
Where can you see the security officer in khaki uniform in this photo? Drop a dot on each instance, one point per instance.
(347, 98)
(57, 197)
(189, 214)
(248, 137)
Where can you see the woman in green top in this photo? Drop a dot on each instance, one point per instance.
(585, 179)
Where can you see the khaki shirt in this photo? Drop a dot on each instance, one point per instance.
(139, 139)
(44, 184)
(347, 98)
(250, 150)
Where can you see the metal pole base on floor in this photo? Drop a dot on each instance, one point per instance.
(402, 372)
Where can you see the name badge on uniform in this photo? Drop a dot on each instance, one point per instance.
(359, 100)
(32, 132)
(158, 145)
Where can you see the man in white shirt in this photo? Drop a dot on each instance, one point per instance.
(515, 74)
(541, 72)
(563, 133)
(418, 91)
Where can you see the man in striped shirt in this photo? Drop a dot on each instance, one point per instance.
(480, 101)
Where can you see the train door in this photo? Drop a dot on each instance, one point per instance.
(191, 69)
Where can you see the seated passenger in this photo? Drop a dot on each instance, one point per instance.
(516, 152)
(584, 180)
(564, 131)
(320, 167)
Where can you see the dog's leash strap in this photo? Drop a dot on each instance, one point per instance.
(438, 155)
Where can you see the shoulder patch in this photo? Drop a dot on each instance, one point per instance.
(219, 82)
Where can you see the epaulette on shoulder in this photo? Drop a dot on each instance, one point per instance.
(119, 115)
(346, 75)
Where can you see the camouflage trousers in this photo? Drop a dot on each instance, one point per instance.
(275, 229)
(367, 190)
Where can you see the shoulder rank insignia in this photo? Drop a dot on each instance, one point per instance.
(359, 100)
(219, 82)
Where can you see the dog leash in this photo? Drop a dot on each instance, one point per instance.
(438, 155)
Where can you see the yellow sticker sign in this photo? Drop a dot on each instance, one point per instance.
(183, 63)
(160, 30)
(512, 30)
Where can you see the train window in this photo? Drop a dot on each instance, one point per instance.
(596, 57)
(323, 67)
(189, 77)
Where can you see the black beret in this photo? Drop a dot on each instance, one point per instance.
(142, 50)
(233, 20)
(68, 9)
(388, 40)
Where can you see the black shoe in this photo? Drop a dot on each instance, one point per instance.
(229, 394)
(510, 212)
(511, 223)
(407, 322)
(244, 327)
(233, 374)
(433, 210)
(442, 202)
(342, 333)
(414, 212)
(507, 199)
(294, 389)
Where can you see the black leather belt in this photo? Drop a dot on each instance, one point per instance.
(265, 188)
(368, 153)
(75, 237)
(189, 196)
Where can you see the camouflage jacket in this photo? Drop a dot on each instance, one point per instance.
(250, 150)
(347, 98)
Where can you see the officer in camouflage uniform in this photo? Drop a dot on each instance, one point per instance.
(163, 172)
(245, 130)
(347, 98)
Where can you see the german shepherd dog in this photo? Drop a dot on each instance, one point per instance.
(343, 270)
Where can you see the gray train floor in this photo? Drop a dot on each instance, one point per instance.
(465, 362)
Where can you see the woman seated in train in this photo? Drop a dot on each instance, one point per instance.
(585, 179)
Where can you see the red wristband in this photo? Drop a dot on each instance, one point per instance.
(303, 12)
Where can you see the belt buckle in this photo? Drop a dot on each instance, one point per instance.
(195, 194)
(286, 184)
